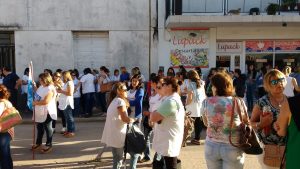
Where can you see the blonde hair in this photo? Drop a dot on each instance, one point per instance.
(287, 70)
(46, 79)
(273, 73)
(67, 76)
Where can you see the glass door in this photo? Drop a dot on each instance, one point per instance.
(223, 61)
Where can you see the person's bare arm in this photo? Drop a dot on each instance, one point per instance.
(295, 84)
(189, 98)
(123, 114)
(155, 117)
(258, 121)
(283, 119)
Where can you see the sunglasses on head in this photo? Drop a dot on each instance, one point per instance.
(276, 81)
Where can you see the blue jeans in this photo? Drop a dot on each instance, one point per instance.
(147, 133)
(88, 103)
(117, 157)
(133, 160)
(223, 156)
(76, 110)
(69, 118)
(5, 155)
(41, 127)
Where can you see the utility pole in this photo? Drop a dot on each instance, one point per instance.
(149, 38)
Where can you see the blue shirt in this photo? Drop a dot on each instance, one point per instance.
(124, 77)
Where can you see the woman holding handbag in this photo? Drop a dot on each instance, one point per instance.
(217, 114)
(116, 123)
(195, 96)
(264, 114)
(5, 138)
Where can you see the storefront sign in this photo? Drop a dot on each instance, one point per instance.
(189, 48)
(262, 60)
(287, 45)
(229, 47)
(288, 60)
(259, 46)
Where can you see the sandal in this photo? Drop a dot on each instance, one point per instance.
(47, 149)
(36, 147)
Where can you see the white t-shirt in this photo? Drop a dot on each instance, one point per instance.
(115, 78)
(88, 83)
(289, 88)
(77, 92)
(154, 102)
(114, 129)
(41, 111)
(168, 134)
(195, 107)
(4, 105)
(24, 87)
(65, 100)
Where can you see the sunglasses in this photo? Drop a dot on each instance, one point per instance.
(158, 87)
(276, 81)
(124, 89)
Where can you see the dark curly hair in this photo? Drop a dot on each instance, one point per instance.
(4, 93)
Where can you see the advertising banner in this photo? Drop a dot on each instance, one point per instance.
(259, 46)
(189, 48)
(287, 45)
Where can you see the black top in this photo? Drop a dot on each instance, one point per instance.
(10, 81)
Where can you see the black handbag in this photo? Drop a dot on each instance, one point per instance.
(135, 140)
(248, 141)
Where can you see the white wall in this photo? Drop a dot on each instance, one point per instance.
(46, 49)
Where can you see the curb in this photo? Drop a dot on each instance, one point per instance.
(80, 120)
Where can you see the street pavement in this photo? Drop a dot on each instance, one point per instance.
(77, 151)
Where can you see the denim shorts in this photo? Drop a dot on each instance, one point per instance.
(223, 156)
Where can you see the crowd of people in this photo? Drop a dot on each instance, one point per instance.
(158, 107)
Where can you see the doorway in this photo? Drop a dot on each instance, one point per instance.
(229, 61)
(7, 50)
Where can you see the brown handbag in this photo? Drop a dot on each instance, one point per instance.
(248, 140)
(106, 87)
(273, 155)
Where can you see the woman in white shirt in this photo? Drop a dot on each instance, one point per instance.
(291, 83)
(116, 123)
(168, 133)
(195, 96)
(45, 111)
(66, 103)
(103, 79)
(6, 137)
(77, 94)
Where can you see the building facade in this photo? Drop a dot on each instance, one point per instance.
(230, 33)
(70, 34)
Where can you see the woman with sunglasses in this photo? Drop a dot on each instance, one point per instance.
(266, 110)
(116, 123)
(169, 116)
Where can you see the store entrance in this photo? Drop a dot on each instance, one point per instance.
(259, 60)
(230, 62)
(287, 59)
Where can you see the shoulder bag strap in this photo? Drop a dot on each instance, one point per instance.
(231, 122)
